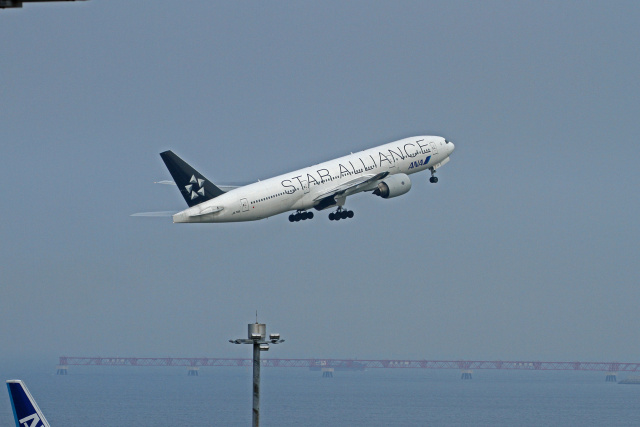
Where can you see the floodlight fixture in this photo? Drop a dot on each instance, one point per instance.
(257, 333)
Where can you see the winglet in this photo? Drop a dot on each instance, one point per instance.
(25, 409)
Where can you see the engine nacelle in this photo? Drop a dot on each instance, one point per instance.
(393, 186)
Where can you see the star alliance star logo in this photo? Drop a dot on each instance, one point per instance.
(191, 188)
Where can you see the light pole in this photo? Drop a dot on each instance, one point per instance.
(257, 335)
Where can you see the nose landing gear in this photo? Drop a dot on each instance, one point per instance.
(300, 216)
(433, 178)
(340, 214)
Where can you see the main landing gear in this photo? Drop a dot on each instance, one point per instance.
(433, 178)
(340, 214)
(300, 216)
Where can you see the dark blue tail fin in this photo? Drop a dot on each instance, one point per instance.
(194, 187)
(25, 408)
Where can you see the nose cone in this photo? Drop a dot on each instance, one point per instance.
(450, 146)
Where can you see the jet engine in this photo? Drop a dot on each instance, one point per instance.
(393, 186)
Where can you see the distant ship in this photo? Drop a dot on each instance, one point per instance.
(630, 380)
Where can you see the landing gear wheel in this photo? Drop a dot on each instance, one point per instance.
(433, 178)
(340, 214)
(300, 216)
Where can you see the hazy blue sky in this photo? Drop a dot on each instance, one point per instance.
(527, 248)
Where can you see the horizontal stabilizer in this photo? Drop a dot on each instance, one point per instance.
(157, 214)
(209, 210)
(223, 187)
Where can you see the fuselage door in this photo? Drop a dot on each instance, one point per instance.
(434, 148)
(305, 186)
(245, 205)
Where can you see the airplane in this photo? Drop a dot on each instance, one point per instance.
(18, 3)
(25, 409)
(384, 171)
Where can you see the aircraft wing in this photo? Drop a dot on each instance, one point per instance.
(351, 187)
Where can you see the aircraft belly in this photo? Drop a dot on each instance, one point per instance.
(238, 217)
(263, 210)
(303, 203)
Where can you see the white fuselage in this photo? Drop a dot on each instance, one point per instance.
(299, 190)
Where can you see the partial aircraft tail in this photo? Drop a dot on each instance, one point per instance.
(194, 187)
(25, 409)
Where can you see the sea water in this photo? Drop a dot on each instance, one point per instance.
(221, 396)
